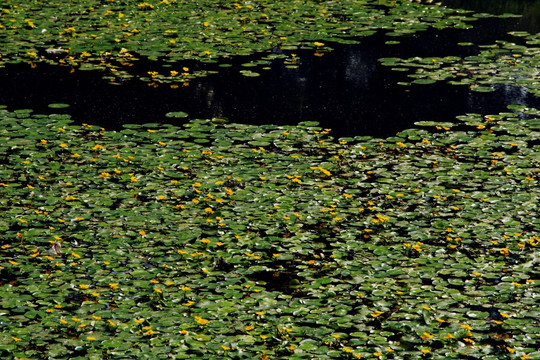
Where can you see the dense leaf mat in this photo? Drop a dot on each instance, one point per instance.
(234, 241)
(112, 35)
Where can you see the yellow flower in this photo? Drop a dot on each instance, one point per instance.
(113, 286)
(201, 321)
(145, 5)
(316, 43)
(225, 347)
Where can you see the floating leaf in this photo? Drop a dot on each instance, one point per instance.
(177, 114)
(249, 73)
(58, 106)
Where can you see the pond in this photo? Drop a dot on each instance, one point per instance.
(214, 240)
(346, 90)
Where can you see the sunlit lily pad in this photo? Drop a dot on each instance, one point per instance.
(58, 106)
(177, 114)
(249, 73)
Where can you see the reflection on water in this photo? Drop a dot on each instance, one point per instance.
(346, 90)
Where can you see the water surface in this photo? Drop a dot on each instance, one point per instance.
(346, 89)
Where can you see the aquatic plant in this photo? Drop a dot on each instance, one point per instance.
(216, 240)
(113, 35)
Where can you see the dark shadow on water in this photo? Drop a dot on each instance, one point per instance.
(345, 90)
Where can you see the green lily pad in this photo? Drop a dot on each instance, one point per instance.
(177, 114)
(58, 106)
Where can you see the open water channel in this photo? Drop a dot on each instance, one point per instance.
(346, 89)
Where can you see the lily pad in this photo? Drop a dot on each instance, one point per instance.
(58, 106)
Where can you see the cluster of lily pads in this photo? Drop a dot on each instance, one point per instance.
(215, 240)
(112, 35)
(502, 63)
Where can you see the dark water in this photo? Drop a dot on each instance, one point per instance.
(346, 90)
